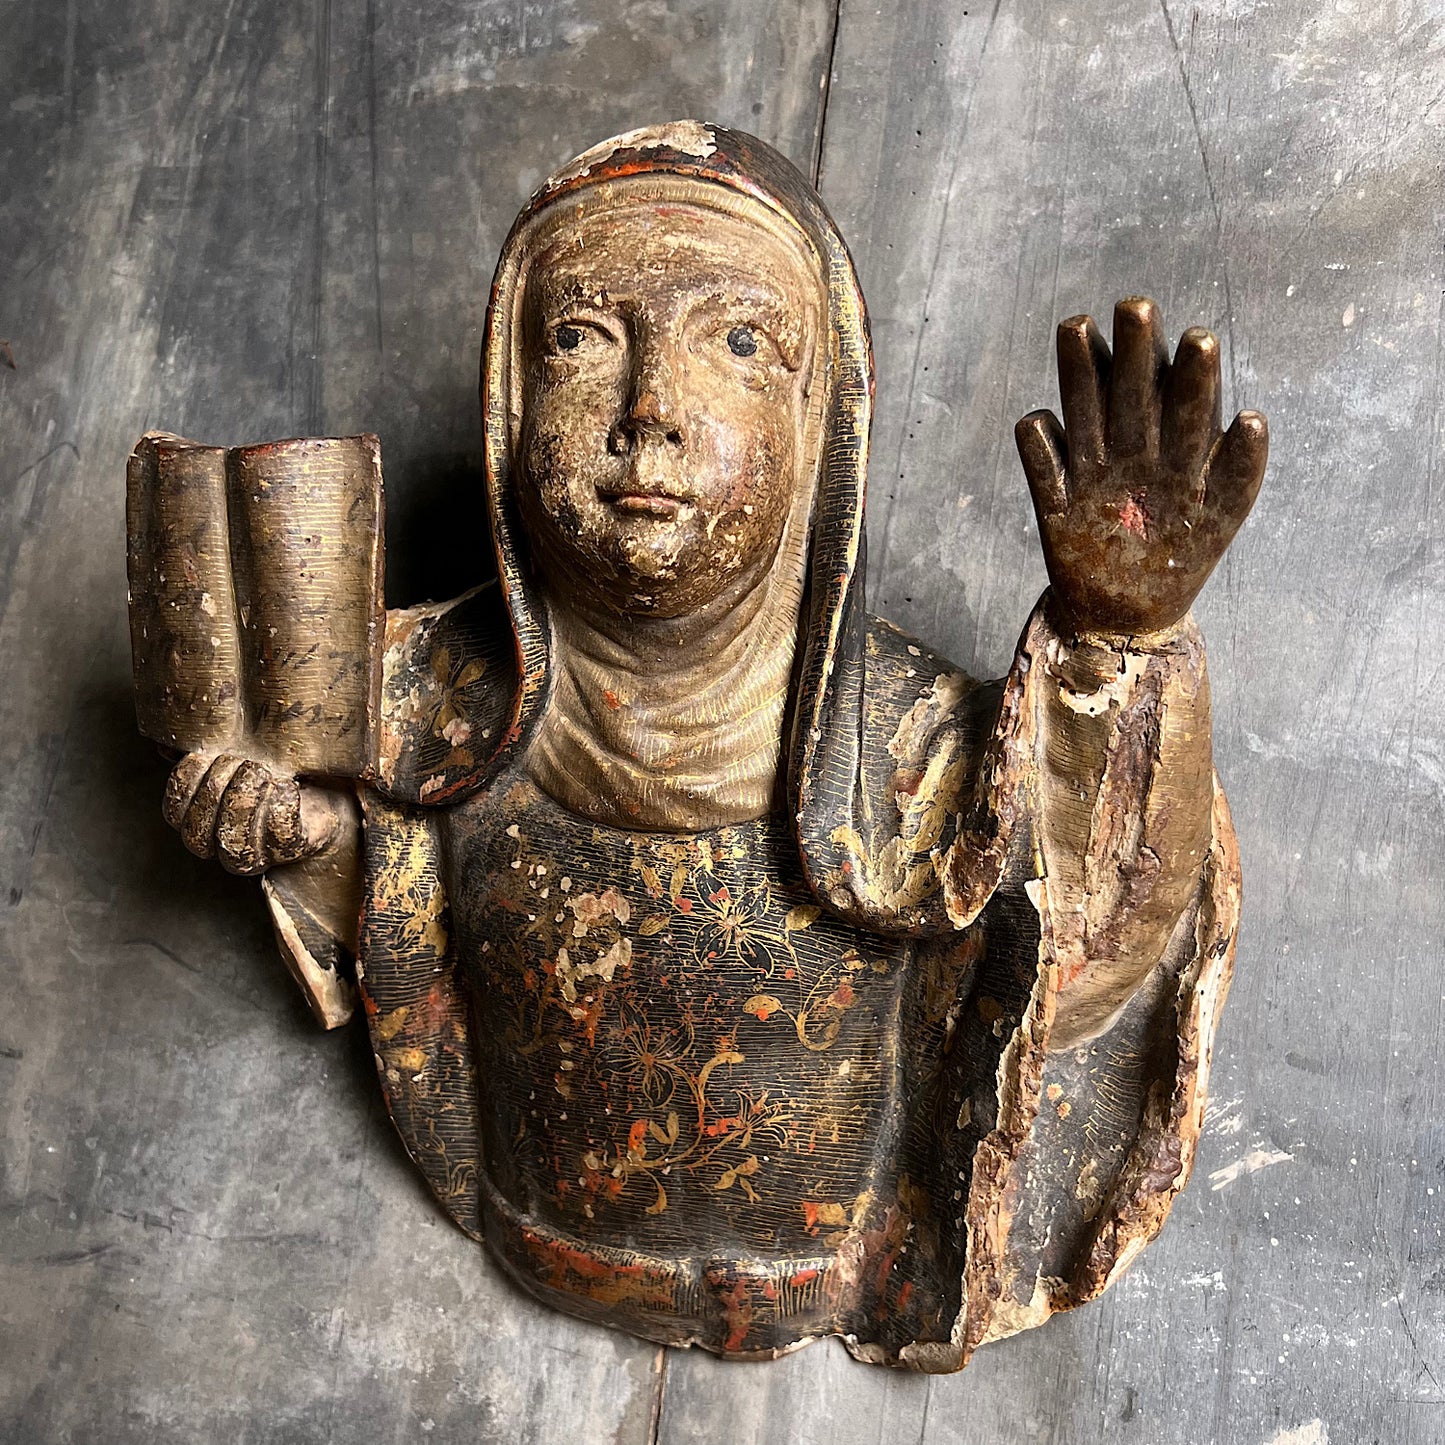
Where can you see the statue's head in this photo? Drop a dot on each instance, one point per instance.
(670, 334)
(676, 392)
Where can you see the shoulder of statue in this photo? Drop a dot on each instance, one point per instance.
(449, 680)
(912, 693)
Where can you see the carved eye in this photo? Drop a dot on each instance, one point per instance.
(568, 338)
(742, 341)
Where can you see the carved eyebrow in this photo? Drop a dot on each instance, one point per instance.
(550, 300)
(568, 310)
(553, 294)
(774, 316)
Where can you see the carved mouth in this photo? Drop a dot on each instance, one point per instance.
(648, 504)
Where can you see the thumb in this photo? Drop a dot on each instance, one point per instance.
(1044, 453)
(300, 822)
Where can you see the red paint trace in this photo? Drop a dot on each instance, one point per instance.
(1135, 515)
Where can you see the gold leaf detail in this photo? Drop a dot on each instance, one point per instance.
(727, 1056)
(390, 1025)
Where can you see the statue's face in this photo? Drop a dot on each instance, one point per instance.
(667, 357)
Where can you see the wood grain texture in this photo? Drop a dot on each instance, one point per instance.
(1271, 172)
(261, 220)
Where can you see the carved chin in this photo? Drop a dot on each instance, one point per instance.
(653, 550)
(660, 566)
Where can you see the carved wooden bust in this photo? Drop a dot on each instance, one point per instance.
(737, 967)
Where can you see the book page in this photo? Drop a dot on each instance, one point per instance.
(305, 523)
(185, 641)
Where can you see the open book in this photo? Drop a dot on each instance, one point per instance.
(256, 606)
(256, 617)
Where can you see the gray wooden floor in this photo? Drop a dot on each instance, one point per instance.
(259, 218)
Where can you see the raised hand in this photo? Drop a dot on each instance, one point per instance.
(244, 814)
(1140, 492)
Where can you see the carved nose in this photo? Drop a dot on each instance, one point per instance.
(650, 413)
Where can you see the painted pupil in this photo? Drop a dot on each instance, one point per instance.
(742, 342)
(568, 338)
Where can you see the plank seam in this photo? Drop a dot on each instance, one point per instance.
(654, 1425)
(827, 95)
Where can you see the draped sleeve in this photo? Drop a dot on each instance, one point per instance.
(1068, 816)
(1084, 779)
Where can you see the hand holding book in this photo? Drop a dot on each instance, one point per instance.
(256, 618)
(246, 815)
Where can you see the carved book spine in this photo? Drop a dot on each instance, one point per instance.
(255, 599)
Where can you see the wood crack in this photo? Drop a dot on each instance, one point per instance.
(826, 85)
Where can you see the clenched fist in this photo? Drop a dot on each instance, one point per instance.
(241, 812)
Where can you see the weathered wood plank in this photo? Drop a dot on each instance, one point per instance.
(1271, 171)
(255, 221)
(250, 221)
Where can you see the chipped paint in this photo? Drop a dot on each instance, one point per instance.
(1313, 1432)
(686, 137)
(1250, 1163)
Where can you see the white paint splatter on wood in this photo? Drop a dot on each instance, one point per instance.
(1225, 1116)
(1255, 1159)
(1311, 1433)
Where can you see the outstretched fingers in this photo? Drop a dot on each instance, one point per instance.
(1085, 368)
(1044, 453)
(1236, 470)
(1190, 424)
(1141, 360)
